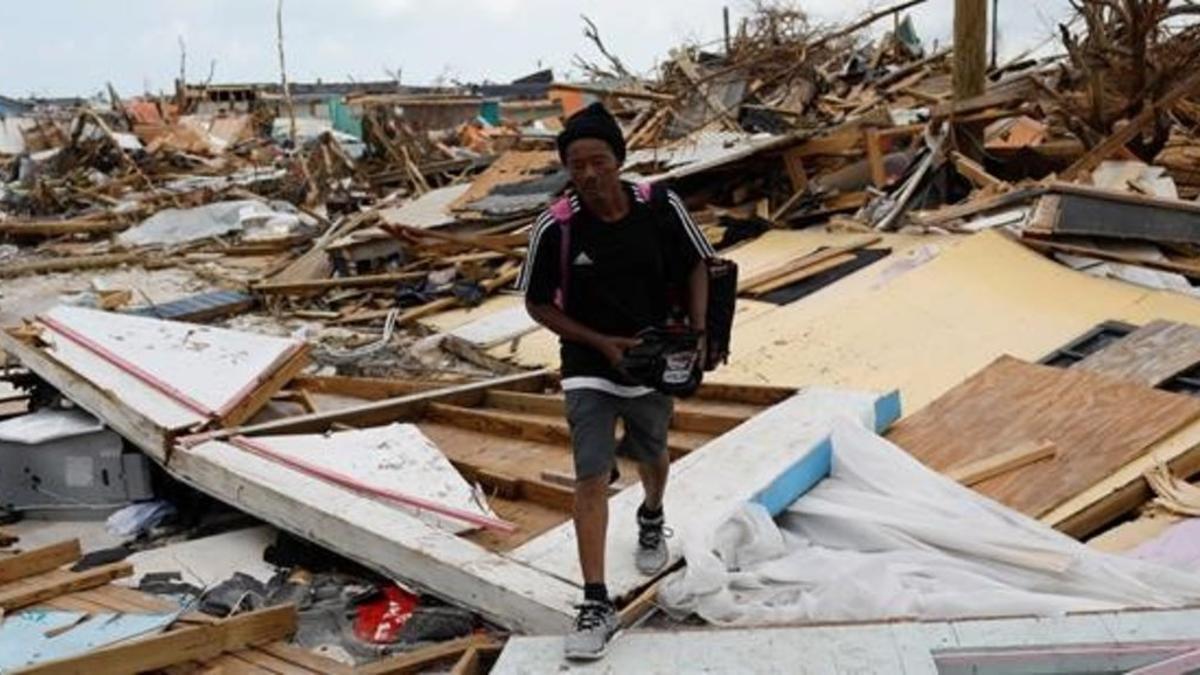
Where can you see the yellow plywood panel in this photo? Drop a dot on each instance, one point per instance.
(448, 321)
(540, 348)
(931, 327)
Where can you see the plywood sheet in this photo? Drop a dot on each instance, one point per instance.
(213, 366)
(1098, 423)
(935, 324)
(397, 457)
(1150, 355)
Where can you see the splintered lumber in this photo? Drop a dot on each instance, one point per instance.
(976, 206)
(983, 469)
(615, 93)
(1047, 246)
(39, 589)
(1099, 423)
(801, 274)
(475, 659)
(974, 172)
(752, 282)
(1130, 131)
(70, 263)
(194, 643)
(688, 415)
(433, 307)
(420, 660)
(465, 240)
(57, 228)
(317, 285)
(39, 560)
(1126, 489)
(1150, 355)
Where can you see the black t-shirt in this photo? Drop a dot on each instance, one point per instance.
(622, 277)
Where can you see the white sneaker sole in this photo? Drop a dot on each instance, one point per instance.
(592, 656)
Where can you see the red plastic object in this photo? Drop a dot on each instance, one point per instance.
(380, 620)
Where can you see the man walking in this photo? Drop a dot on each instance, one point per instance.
(607, 261)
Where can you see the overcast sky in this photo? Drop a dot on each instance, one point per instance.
(72, 47)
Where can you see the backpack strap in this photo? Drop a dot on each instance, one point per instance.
(562, 212)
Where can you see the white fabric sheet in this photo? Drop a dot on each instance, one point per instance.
(885, 537)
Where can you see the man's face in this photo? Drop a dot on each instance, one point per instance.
(593, 167)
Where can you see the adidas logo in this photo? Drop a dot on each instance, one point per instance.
(582, 259)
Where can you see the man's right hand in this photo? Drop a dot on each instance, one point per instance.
(613, 348)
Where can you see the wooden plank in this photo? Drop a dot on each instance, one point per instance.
(386, 411)
(1103, 254)
(799, 275)
(432, 307)
(39, 560)
(321, 285)
(875, 158)
(272, 664)
(421, 659)
(304, 658)
(56, 228)
(745, 393)
(983, 469)
(366, 388)
(535, 428)
(1150, 355)
(976, 206)
(1097, 422)
(39, 591)
(1129, 131)
(197, 643)
(687, 417)
(803, 262)
(476, 659)
(1126, 489)
(86, 262)
(793, 163)
(1120, 197)
(271, 382)
(974, 171)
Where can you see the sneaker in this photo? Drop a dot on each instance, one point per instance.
(651, 556)
(594, 628)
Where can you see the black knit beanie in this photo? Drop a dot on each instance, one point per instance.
(593, 121)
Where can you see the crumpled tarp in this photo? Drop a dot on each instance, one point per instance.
(179, 226)
(885, 537)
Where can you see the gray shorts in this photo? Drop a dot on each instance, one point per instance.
(592, 416)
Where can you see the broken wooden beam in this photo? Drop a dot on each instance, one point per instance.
(36, 590)
(39, 560)
(1130, 130)
(319, 285)
(70, 263)
(980, 470)
(421, 660)
(194, 643)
